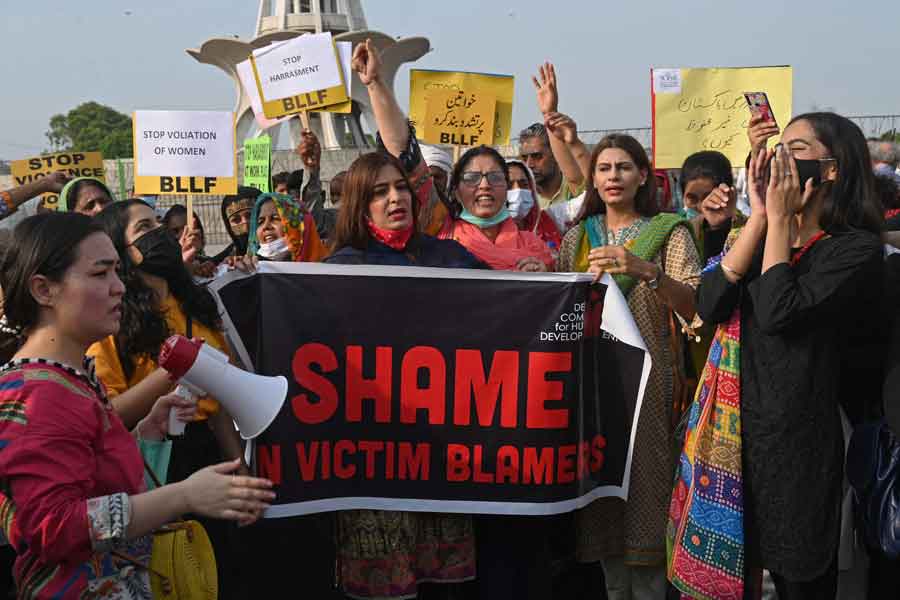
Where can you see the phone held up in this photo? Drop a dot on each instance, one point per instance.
(759, 105)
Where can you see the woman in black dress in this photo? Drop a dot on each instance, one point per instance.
(802, 267)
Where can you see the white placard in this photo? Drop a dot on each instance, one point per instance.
(667, 81)
(245, 73)
(304, 64)
(184, 143)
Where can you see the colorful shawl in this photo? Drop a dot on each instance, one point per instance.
(705, 532)
(504, 253)
(299, 228)
(646, 246)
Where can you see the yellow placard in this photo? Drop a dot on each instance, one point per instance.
(335, 97)
(459, 119)
(424, 83)
(202, 186)
(705, 109)
(73, 164)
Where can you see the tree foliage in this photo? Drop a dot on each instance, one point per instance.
(92, 127)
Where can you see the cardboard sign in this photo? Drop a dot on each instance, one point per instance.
(459, 119)
(184, 152)
(300, 74)
(705, 109)
(257, 163)
(248, 82)
(422, 84)
(73, 164)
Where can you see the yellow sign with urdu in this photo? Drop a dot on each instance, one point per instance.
(73, 164)
(459, 119)
(424, 83)
(705, 109)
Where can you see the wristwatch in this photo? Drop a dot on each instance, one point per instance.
(653, 284)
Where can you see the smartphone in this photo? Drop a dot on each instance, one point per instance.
(758, 102)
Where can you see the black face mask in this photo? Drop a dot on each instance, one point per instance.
(161, 253)
(806, 169)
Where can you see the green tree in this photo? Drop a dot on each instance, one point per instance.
(92, 127)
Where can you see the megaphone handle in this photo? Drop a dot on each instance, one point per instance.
(176, 425)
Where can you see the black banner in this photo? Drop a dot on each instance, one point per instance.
(440, 390)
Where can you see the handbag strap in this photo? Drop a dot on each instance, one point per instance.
(152, 475)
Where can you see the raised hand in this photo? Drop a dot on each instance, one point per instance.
(366, 62)
(759, 131)
(562, 126)
(310, 150)
(547, 93)
(718, 207)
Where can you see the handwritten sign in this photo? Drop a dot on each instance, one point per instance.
(184, 152)
(257, 154)
(300, 74)
(73, 164)
(424, 83)
(459, 119)
(705, 109)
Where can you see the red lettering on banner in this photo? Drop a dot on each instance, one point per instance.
(342, 470)
(370, 448)
(541, 391)
(307, 411)
(480, 476)
(508, 464)
(307, 460)
(359, 388)
(584, 460)
(414, 465)
(458, 463)
(565, 465)
(597, 454)
(389, 461)
(537, 468)
(431, 398)
(326, 460)
(268, 459)
(470, 382)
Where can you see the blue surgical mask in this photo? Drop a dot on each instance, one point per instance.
(519, 202)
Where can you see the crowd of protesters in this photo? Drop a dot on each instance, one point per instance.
(805, 275)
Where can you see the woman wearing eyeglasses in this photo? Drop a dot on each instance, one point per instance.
(481, 221)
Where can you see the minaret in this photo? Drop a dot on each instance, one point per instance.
(284, 19)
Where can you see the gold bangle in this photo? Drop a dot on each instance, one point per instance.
(728, 269)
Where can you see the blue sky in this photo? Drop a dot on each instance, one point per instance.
(59, 53)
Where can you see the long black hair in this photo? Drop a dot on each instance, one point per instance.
(645, 203)
(461, 164)
(143, 326)
(45, 244)
(851, 201)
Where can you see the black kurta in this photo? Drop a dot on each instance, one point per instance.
(791, 360)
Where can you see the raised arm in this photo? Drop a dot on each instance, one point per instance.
(563, 127)
(52, 183)
(389, 118)
(548, 102)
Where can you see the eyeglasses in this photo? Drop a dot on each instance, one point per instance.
(473, 178)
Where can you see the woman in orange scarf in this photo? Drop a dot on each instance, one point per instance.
(480, 220)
